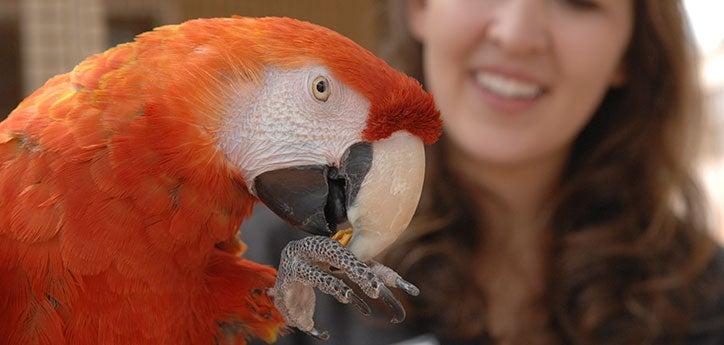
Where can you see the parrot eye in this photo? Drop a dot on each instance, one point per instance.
(320, 88)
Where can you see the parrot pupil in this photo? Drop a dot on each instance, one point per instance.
(321, 86)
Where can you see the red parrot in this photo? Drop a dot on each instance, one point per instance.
(124, 183)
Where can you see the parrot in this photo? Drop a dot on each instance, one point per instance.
(124, 182)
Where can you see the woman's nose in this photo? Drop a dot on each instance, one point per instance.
(519, 27)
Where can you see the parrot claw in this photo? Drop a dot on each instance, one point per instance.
(319, 335)
(306, 264)
(406, 286)
(391, 278)
(360, 304)
(398, 312)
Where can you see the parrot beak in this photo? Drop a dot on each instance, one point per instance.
(314, 198)
(376, 189)
(304, 196)
(388, 195)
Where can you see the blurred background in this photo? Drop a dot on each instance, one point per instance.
(42, 38)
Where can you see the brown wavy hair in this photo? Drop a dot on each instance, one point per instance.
(630, 239)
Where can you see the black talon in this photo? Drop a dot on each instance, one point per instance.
(360, 304)
(321, 336)
(398, 312)
(408, 287)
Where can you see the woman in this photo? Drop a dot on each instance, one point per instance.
(561, 205)
(563, 192)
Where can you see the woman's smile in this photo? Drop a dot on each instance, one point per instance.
(506, 91)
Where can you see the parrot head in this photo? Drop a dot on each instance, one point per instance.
(327, 135)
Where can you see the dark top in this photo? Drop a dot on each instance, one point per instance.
(267, 235)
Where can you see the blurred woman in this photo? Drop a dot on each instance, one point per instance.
(561, 205)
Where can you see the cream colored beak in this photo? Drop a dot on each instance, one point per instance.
(388, 196)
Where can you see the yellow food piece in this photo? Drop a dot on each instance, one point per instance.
(343, 236)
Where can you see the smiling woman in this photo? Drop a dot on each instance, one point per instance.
(520, 80)
(561, 205)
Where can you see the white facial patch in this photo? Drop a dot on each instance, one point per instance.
(279, 123)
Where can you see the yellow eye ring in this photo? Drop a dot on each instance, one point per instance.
(320, 88)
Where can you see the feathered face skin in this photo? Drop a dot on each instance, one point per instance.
(124, 182)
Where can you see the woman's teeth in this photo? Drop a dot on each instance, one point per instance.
(507, 87)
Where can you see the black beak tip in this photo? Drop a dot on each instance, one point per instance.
(316, 225)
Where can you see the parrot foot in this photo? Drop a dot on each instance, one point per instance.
(307, 263)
